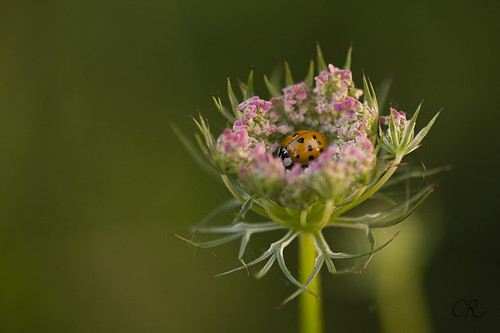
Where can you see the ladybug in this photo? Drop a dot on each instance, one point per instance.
(301, 147)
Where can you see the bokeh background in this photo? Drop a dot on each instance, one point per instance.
(93, 179)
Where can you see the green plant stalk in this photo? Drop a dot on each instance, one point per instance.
(310, 308)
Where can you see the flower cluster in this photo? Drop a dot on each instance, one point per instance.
(255, 118)
(248, 150)
(364, 150)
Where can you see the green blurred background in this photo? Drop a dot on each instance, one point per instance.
(92, 177)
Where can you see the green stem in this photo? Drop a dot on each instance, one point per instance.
(310, 308)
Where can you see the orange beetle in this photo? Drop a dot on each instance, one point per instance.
(302, 147)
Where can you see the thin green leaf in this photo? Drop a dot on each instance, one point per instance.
(404, 216)
(276, 77)
(209, 244)
(320, 59)
(205, 131)
(421, 135)
(223, 110)
(347, 64)
(393, 132)
(202, 145)
(410, 128)
(415, 174)
(310, 75)
(244, 89)
(221, 209)
(263, 257)
(322, 245)
(375, 125)
(232, 98)
(288, 75)
(249, 91)
(317, 267)
(239, 227)
(271, 88)
(382, 217)
(383, 92)
(247, 205)
(371, 252)
(271, 251)
(384, 197)
(288, 274)
(198, 124)
(244, 242)
(266, 267)
(374, 98)
(386, 144)
(368, 95)
(195, 153)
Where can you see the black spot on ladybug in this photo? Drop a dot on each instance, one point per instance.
(319, 143)
(297, 157)
(311, 157)
(321, 150)
(314, 137)
(309, 147)
(301, 140)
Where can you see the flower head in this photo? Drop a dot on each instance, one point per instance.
(364, 150)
